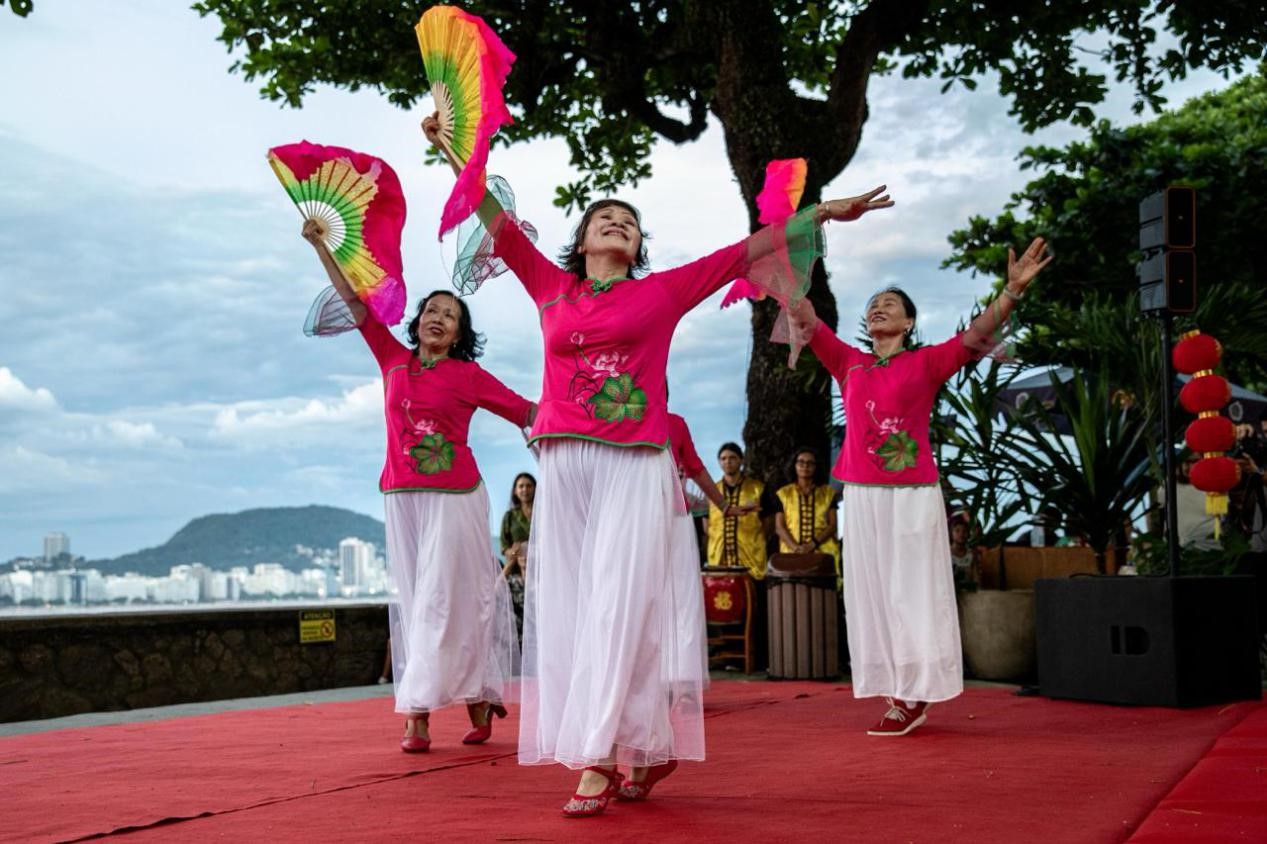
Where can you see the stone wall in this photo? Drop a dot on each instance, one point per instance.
(52, 666)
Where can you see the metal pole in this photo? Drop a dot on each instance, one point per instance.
(1168, 453)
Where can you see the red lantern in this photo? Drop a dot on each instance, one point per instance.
(1215, 476)
(1196, 352)
(1205, 393)
(1211, 434)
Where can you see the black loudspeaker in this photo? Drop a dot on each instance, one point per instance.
(1153, 641)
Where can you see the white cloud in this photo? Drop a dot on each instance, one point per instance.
(25, 469)
(125, 434)
(257, 422)
(17, 396)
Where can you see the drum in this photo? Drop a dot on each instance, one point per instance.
(803, 627)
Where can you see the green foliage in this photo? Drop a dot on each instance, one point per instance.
(1086, 203)
(1098, 477)
(610, 77)
(976, 462)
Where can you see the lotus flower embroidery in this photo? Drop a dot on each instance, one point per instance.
(618, 399)
(432, 454)
(898, 451)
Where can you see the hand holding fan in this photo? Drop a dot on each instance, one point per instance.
(780, 194)
(467, 65)
(356, 198)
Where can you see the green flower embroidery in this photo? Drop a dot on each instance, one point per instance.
(619, 399)
(601, 286)
(432, 454)
(898, 452)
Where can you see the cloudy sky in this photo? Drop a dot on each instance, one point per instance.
(154, 284)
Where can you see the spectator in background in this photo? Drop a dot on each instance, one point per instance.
(737, 537)
(516, 528)
(806, 517)
(964, 558)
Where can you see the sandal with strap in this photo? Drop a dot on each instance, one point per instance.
(413, 742)
(478, 734)
(630, 790)
(589, 805)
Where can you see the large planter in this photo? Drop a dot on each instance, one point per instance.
(998, 631)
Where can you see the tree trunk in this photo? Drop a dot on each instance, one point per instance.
(764, 120)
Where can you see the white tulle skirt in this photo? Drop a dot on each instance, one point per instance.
(899, 591)
(452, 624)
(607, 672)
(689, 660)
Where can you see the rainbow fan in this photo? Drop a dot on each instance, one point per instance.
(467, 65)
(779, 197)
(357, 199)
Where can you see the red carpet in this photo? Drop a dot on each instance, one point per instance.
(787, 761)
(1223, 798)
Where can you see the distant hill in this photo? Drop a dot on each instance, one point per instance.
(267, 535)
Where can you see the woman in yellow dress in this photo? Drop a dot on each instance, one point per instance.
(737, 541)
(806, 521)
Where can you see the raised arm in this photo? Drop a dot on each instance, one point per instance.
(315, 233)
(983, 332)
(770, 239)
(489, 209)
(535, 271)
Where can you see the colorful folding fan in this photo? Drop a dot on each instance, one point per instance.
(780, 194)
(467, 65)
(357, 199)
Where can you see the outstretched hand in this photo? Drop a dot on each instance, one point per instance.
(853, 207)
(1021, 271)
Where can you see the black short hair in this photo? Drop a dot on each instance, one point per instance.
(571, 258)
(469, 344)
(730, 447)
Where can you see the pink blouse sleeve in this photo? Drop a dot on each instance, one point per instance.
(684, 447)
(496, 397)
(535, 271)
(694, 282)
(387, 350)
(837, 355)
(777, 258)
(947, 358)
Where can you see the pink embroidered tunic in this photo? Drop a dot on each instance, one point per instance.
(428, 408)
(888, 407)
(607, 341)
(684, 455)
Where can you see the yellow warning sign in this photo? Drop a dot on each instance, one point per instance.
(316, 626)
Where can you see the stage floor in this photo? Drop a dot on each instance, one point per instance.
(788, 761)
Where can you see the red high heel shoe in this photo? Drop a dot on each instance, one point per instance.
(631, 790)
(412, 742)
(479, 734)
(588, 805)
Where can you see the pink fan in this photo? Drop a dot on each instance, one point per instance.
(467, 65)
(780, 194)
(357, 200)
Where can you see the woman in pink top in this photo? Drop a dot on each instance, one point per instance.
(452, 629)
(898, 586)
(600, 610)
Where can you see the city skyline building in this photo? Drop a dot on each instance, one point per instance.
(56, 543)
